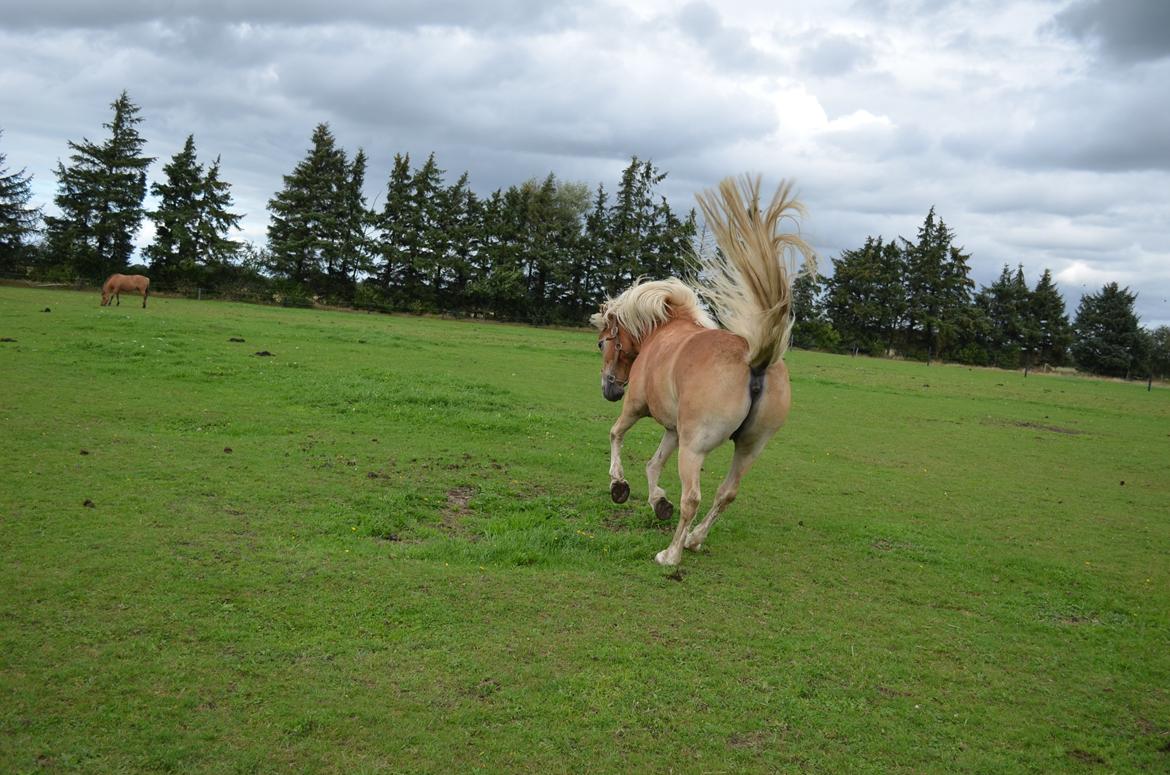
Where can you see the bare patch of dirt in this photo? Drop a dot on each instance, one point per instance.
(228, 450)
(456, 508)
(1088, 757)
(6, 339)
(264, 354)
(1043, 427)
(886, 691)
(747, 740)
(89, 504)
(236, 339)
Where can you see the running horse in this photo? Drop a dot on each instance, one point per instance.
(707, 384)
(130, 283)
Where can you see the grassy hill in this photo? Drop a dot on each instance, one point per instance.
(389, 546)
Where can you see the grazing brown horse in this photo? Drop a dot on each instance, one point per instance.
(130, 283)
(703, 383)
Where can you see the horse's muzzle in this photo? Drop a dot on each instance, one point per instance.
(611, 388)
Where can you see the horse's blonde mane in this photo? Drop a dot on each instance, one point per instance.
(648, 304)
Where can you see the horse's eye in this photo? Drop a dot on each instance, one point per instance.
(600, 345)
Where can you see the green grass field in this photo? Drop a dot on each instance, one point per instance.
(389, 546)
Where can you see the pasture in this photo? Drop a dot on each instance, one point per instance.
(389, 546)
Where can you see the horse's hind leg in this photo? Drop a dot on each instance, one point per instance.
(144, 293)
(663, 508)
(741, 463)
(690, 467)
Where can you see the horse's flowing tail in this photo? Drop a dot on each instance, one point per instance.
(748, 281)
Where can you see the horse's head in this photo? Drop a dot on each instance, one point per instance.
(618, 351)
(105, 297)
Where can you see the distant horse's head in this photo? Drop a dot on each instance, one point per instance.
(105, 297)
(618, 351)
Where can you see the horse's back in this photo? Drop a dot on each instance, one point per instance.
(698, 381)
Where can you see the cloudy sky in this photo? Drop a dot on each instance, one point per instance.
(1039, 130)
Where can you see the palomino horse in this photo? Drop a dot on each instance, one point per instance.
(703, 383)
(130, 283)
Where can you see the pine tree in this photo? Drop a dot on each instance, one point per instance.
(175, 251)
(466, 224)
(864, 297)
(424, 279)
(938, 289)
(1052, 330)
(395, 235)
(18, 221)
(1159, 352)
(1108, 338)
(1006, 306)
(354, 221)
(100, 197)
(811, 327)
(216, 220)
(307, 235)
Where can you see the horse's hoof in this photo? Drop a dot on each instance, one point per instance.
(619, 491)
(692, 546)
(663, 558)
(664, 509)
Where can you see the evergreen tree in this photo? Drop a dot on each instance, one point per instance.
(100, 198)
(18, 221)
(1159, 352)
(588, 273)
(1108, 340)
(425, 276)
(864, 298)
(309, 233)
(938, 289)
(193, 218)
(632, 248)
(216, 220)
(353, 228)
(1006, 306)
(173, 250)
(1053, 333)
(503, 288)
(396, 237)
(811, 327)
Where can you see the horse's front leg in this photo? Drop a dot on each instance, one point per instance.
(619, 488)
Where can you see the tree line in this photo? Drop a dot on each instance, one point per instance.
(541, 251)
(916, 299)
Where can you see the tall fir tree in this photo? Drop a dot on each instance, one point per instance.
(424, 277)
(18, 221)
(395, 234)
(354, 240)
(1053, 332)
(1159, 352)
(865, 299)
(938, 289)
(1007, 310)
(311, 218)
(100, 197)
(193, 218)
(1108, 339)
